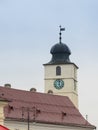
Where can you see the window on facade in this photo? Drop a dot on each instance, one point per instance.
(75, 85)
(58, 70)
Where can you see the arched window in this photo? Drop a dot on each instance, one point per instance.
(58, 70)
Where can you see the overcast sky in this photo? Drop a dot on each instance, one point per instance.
(28, 30)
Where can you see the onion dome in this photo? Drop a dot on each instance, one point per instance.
(60, 54)
(60, 48)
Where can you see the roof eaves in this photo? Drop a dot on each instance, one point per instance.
(54, 123)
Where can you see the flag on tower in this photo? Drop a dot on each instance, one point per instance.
(62, 29)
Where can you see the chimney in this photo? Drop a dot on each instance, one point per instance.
(7, 85)
(50, 92)
(33, 90)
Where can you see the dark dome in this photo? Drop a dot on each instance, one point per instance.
(60, 48)
(60, 54)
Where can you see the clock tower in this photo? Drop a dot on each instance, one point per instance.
(60, 73)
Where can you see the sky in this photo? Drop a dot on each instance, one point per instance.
(28, 30)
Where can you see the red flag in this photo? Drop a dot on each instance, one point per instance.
(3, 128)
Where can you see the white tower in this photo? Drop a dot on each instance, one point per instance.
(60, 73)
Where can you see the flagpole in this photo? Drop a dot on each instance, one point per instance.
(28, 119)
(61, 29)
(60, 35)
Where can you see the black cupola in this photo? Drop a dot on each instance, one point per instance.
(60, 54)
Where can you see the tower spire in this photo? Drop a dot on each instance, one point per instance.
(61, 29)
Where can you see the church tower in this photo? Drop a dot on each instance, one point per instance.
(60, 73)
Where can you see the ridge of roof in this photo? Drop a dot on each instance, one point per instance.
(16, 94)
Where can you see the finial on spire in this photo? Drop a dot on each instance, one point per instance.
(61, 29)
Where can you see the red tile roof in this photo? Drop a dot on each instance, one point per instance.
(3, 128)
(43, 108)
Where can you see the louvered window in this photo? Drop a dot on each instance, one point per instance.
(58, 70)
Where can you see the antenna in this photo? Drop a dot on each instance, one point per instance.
(61, 29)
(87, 117)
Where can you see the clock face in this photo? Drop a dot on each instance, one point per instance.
(58, 83)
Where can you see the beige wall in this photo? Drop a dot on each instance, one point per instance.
(68, 71)
(2, 104)
(68, 75)
(14, 125)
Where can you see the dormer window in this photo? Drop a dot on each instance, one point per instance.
(58, 70)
